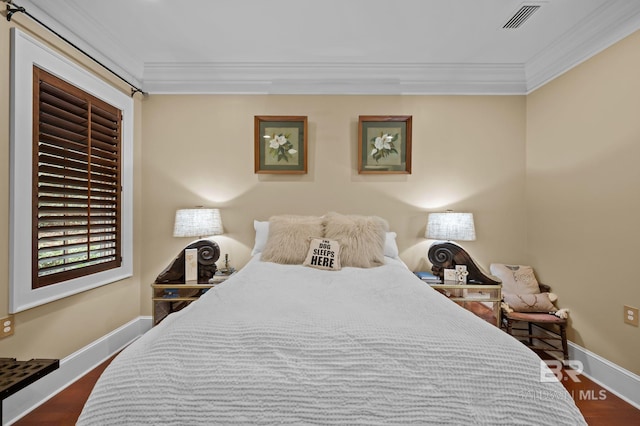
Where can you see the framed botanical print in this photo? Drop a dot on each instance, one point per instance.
(280, 144)
(384, 144)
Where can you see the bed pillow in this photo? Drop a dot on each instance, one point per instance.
(262, 232)
(390, 245)
(288, 240)
(323, 254)
(361, 238)
(529, 302)
(516, 279)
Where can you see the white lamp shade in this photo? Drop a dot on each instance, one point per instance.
(197, 223)
(451, 226)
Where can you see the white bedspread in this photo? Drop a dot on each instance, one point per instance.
(294, 345)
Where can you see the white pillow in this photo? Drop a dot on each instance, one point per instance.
(262, 233)
(390, 245)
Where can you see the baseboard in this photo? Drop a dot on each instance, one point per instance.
(622, 383)
(71, 369)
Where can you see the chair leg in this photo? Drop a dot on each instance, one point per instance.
(509, 326)
(563, 336)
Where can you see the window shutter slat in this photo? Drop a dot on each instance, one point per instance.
(71, 105)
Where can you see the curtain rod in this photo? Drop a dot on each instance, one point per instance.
(13, 8)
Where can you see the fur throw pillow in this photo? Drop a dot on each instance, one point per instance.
(288, 238)
(361, 238)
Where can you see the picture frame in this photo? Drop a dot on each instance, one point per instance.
(384, 144)
(280, 145)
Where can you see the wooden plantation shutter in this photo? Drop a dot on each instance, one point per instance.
(76, 182)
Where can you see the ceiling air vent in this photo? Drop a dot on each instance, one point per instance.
(521, 16)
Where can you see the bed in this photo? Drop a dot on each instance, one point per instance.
(292, 344)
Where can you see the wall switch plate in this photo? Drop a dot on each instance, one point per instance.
(7, 325)
(631, 315)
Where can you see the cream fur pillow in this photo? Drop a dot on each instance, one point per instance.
(288, 239)
(361, 238)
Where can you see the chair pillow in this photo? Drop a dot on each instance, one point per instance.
(516, 279)
(529, 302)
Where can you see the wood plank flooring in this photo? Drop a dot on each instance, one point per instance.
(598, 406)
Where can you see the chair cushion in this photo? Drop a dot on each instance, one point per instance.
(534, 317)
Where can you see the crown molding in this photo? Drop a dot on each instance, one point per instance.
(333, 78)
(604, 27)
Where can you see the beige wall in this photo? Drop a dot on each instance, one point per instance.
(468, 154)
(583, 183)
(59, 328)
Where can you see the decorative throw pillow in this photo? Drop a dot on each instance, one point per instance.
(529, 302)
(288, 240)
(323, 254)
(516, 279)
(361, 238)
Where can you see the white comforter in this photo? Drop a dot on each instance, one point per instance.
(294, 345)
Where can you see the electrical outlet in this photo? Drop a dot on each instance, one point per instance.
(631, 315)
(7, 325)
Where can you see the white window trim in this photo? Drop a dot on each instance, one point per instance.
(25, 53)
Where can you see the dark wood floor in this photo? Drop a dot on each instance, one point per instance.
(598, 406)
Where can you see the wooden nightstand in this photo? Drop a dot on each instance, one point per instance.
(475, 297)
(168, 298)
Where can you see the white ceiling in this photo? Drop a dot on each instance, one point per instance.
(338, 46)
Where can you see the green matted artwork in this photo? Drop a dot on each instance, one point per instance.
(280, 144)
(384, 144)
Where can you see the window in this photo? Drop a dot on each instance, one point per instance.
(77, 233)
(76, 195)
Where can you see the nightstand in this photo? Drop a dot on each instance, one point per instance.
(475, 298)
(168, 298)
